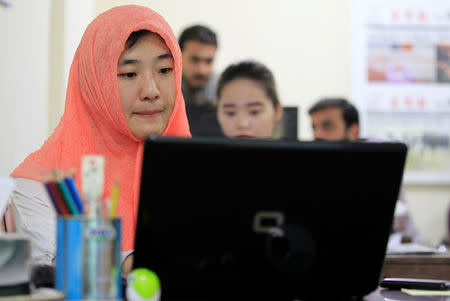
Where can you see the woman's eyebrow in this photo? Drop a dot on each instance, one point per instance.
(255, 104)
(228, 105)
(164, 56)
(128, 62)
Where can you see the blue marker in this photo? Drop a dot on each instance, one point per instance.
(74, 193)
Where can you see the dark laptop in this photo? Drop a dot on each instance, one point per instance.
(235, 219)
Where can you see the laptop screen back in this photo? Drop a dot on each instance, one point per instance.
(266, 219)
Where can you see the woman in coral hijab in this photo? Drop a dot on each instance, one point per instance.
(124, 84)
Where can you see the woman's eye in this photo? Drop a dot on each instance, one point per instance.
(230, 113)
(254, 113)
(165, 70)
(128, 74)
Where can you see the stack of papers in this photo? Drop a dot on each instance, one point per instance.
(425, 292)
(410, 248)
(395, 247)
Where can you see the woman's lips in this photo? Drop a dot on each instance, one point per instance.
(148, 114)
(245, 137)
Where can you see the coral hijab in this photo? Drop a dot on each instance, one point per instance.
(93, 121)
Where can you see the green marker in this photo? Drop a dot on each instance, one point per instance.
(143, 285)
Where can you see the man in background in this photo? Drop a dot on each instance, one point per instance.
(336, 119)
(198, 47)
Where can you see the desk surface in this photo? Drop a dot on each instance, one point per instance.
(417, 266)
(411, 266)
(381, 294)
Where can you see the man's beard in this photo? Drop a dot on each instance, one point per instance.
(199, 81)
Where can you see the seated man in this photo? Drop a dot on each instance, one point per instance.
(336, 119)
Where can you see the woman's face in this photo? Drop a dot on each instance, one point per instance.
(146, 83)
(245, 111)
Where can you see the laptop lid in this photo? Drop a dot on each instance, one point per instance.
(223, 218)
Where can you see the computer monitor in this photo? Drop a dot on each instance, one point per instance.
(243, 219)
(289, 123)
(203, 122)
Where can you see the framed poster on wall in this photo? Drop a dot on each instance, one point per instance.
(400, 80)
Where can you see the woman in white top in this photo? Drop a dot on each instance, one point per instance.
(124, 84)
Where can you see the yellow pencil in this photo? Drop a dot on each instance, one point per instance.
(114, 199)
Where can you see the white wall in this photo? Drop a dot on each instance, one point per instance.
(38, 39)
(24, 52)
(69, 19)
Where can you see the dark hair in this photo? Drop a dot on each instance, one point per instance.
(254, 71)
(349, 112)
(135, 36)
(197, 33)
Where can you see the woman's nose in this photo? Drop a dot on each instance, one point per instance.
(149, 89)
(243, 122)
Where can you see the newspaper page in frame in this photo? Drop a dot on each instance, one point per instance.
(400, 77)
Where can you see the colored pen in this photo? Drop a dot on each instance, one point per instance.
(73, 192)
(114, 199)
(52, 196)
(58, 198)
(65, 193)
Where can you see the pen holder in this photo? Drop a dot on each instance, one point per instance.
(88, 258)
